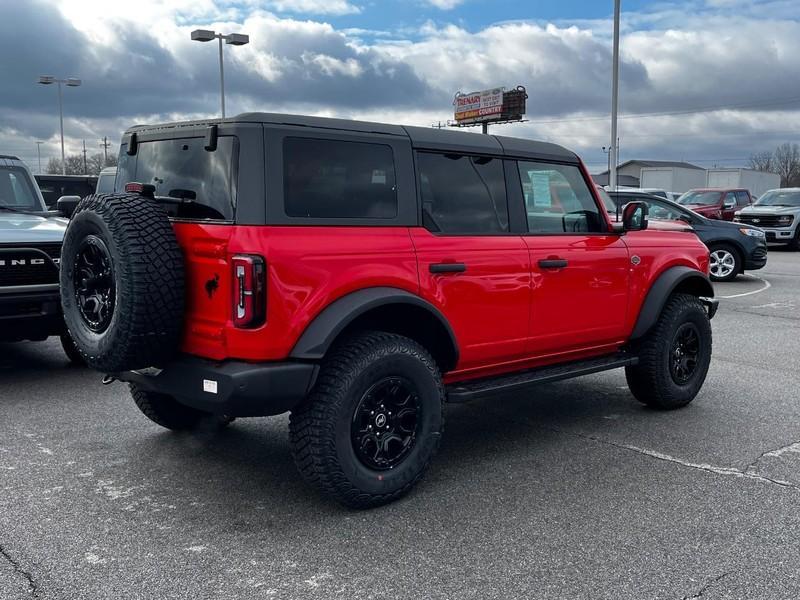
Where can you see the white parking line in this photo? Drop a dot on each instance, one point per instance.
(767, 285)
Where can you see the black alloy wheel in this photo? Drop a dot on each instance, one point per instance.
(685, 352)
(95, 290)
(384, 426)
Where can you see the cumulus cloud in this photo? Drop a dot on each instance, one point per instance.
(444, 4)
(316, 7)
(140, 66)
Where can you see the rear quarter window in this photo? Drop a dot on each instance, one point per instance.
(332, 179)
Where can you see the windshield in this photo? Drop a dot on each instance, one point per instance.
(203, 182)
(700, 198)
(779, 198)
(16, 190)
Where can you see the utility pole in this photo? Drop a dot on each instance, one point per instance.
(485, 128)
(105, 144)
(612, 151)
(85, 169)
(39, 155)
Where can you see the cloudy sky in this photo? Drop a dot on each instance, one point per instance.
(709, 81)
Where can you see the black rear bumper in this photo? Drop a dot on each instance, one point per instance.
(233, 388)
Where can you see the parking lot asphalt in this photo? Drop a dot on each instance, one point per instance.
(573, 490)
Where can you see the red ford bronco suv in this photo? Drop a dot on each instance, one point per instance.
(360, 275)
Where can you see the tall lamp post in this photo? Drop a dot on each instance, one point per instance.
(614, 148)
(234, 39)
(70, 82)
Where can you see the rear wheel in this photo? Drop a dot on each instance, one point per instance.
(674, 356)
(169, 413)
(725, 262)
(372, 424)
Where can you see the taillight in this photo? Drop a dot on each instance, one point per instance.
(249, 291)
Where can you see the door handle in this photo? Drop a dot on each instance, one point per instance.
(447, 268)
(553, 263)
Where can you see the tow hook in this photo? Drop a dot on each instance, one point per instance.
(108, 379)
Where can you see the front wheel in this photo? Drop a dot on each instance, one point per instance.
(724, 263)
(674, 356)
(372, 423)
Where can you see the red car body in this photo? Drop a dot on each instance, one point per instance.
(506, 313)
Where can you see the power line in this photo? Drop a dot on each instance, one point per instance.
(774, 102)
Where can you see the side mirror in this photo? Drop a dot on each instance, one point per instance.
(729, 205)
(66, 205)
(634, 216)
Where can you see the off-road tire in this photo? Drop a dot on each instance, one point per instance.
(320, 428)
(72, 352)
(651, 380)
(738, 266)
(148, 278)
(164, 410)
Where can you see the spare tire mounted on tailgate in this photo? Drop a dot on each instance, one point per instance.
(122, 281)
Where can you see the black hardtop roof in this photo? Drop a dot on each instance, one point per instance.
(429, 138)
(60, 176)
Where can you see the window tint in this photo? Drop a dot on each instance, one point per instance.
(184, 169)
(742, 199)
(16, 190)
(463, 194)
(557, 199)
(334, 179)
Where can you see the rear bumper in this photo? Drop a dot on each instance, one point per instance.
(232, 388)
(29, 314)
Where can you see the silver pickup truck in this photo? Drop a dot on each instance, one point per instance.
(777, 212)
(30, 251)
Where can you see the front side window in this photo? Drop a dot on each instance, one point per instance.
(201, 182)
(462, 194)
(558, 200)
(16, 190)
(330, 179)
(742, 199)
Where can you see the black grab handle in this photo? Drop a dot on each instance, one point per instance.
(448, 268)
(553, 263)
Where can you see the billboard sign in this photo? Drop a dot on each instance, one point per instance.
(477, 106)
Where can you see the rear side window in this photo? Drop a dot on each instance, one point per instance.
(331, 179)
(742, 199)
(558, 200)
(462, 194)
(202, 182)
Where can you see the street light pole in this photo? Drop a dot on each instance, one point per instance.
(612, 151)
(71, 82)
(234, 39)
(39, 155)
(61, 123)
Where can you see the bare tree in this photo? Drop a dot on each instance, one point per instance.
(786, 163)
(94, 164)
(74, 163)
(761, 161)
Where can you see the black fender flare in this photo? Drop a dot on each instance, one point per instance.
(320, 334)
(666, 284)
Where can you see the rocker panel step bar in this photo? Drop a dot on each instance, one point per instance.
(479, 388)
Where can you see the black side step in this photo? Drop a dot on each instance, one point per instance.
(471, 390)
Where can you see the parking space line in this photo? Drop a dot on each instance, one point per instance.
(767, 285)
